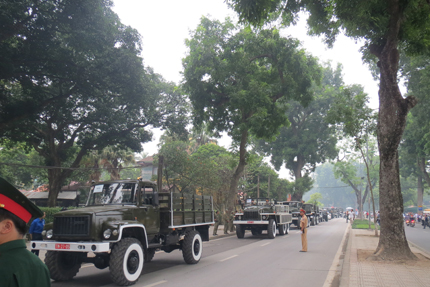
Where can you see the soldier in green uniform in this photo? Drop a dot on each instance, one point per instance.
(231, 225)
(226, 222)
(18, 266)
(218, 220)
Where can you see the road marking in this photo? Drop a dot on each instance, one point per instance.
(222, 238)
(265, 244)
(225, 259)
(156, 283)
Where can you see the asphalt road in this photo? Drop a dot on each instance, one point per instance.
(419, 236)
(229, 261)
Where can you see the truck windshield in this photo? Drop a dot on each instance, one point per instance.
(113, 193)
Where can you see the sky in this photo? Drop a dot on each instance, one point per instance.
(165, 24)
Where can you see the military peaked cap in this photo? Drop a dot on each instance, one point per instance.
(17, 203)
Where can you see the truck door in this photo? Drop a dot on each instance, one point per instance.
(149, 210)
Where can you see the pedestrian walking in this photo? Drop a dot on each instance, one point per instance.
(347, 215)
(36, 229)
(303, 225)
(218, 220)
(18, 266)
(426, 221)
(231, 225)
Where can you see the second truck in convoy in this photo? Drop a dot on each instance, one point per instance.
(263, 214)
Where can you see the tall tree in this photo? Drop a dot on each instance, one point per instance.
(74, 70)
(384, 26)
(358, 122)
(310, 139)
(239, 81)
(415, 145)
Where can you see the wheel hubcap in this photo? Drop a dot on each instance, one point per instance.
(133, 262)
(196, 247)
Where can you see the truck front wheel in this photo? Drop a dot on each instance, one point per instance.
(192, 247)
(126, 261)
(240, 231)
(271, 229)
(63, 266)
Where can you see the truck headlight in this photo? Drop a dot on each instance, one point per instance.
(264, 217)
(44, 233)
(49, 233)
(107, 233)
(115, 232)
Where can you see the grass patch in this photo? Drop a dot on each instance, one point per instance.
(362, 224)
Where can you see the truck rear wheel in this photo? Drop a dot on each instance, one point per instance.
(192, 247)
(62, 266)
(126, 261)
(312, 221)
(240, 231)
(282, 229)
(271, 229)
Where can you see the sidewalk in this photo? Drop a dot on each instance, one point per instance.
(357, 271)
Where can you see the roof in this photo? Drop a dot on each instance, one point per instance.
(146, 161)
(70, 195)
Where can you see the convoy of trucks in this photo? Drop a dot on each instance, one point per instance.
(124, 222)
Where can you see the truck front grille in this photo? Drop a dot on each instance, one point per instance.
(72, 226)
(251, 215)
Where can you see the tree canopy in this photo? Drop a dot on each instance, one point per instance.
(73, 80)
(240, 81)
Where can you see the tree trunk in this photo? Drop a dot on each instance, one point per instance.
(393, 109)
(240, 167)
(56, 179)
(298, 166)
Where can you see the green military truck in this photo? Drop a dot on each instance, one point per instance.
(311, 213)
(294, 209)
(122, 225)
(263, 214)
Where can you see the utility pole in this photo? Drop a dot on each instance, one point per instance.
(258, 186)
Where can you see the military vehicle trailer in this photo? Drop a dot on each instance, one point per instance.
(122, 225)
(311, 213)
(263, 214)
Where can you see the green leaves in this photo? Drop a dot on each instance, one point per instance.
(236, 79)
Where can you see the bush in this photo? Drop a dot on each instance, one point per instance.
(362, 224)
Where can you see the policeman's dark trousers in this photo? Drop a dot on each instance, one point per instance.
(305, 240)
(36, 237)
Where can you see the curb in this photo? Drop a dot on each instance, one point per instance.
(424, 252)
(336, 270)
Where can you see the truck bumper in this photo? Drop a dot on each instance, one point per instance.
(71, 246)
(250, 222)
